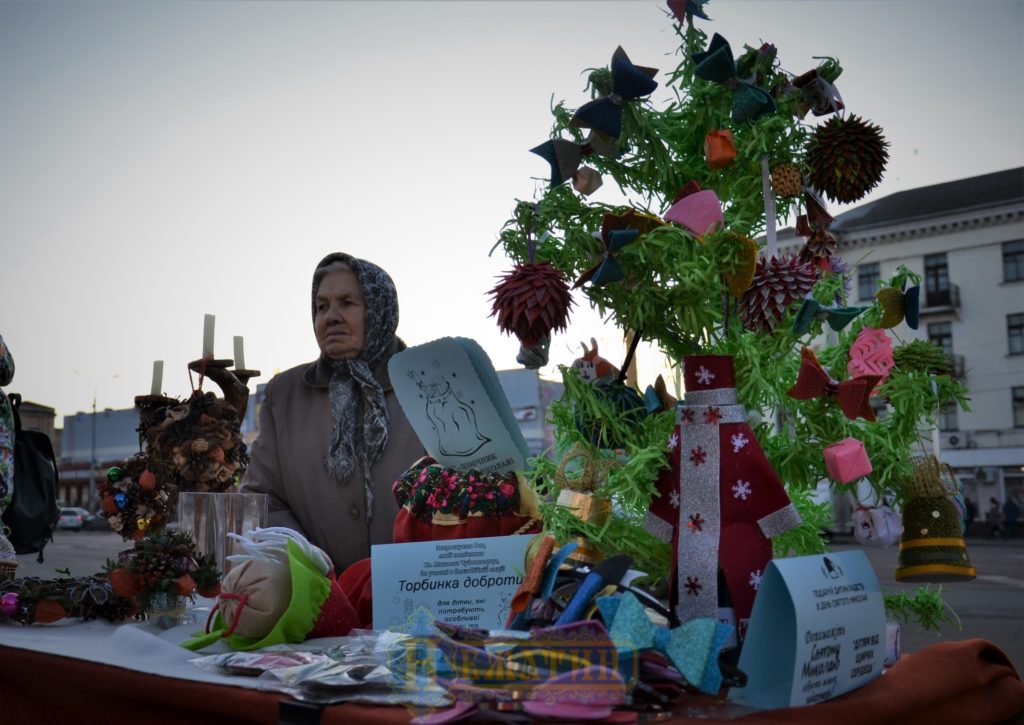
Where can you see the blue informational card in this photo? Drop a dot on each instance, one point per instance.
(451, 395)
(469, 582)
(817, 631)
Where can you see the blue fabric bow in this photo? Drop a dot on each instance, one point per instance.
(629, 82)
(836, 317)
(717, 64)
(898, 305)
(692, 648)
(607, 270)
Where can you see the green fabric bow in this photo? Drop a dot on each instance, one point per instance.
(836, 317)
(717, 64)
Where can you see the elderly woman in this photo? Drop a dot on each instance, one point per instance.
(332, 436)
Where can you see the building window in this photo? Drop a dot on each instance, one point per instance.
(1018, 407)
(1015, 333)
(940, 334)
(947, 416)
(936, 273)
(1013, 261)
(867, 281)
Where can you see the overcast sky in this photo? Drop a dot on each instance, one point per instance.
(159, 161)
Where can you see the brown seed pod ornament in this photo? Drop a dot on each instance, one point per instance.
(846, 158)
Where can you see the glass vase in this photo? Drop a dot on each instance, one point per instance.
(212, 516)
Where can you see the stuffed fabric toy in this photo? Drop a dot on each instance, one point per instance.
(281, 590)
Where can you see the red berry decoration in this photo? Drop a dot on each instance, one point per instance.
(846, 158)
(531, 301)
(777, 284)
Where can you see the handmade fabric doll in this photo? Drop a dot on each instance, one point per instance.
(281, 590)
(721, 501)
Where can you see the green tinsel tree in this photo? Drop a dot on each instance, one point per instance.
(675, 293)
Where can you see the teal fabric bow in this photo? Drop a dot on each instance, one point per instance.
(836, 317)
(692, 648)
(717, 64)
(607, 270)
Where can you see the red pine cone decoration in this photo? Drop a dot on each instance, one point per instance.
(846, 158)
(777, 284)
(531, 301)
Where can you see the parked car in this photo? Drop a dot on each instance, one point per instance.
(96, 522)
(72, 518)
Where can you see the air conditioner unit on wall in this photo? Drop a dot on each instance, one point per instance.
(954, 440)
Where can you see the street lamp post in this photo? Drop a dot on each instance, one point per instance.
(93, 463)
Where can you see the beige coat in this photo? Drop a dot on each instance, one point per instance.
(287, 462)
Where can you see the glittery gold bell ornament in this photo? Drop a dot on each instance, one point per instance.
(580, 473)
(932, 547)
(846, 158)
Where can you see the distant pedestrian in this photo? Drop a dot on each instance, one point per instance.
(994, 519)
(972, 514)
(1011, 512)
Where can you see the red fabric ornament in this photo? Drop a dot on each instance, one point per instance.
(531, 301)
(777, 284)
(48, 611)
(853, 396)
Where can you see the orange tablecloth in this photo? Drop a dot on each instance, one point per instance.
(960, 683)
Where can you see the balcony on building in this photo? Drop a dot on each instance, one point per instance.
(944, 300)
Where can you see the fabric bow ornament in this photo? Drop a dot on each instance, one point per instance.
(683, 8)
(817, 94)
(717, 64)
(566, 157)
(697, 210)
(836, 317)
(629, 82)
(692, 647)
(657, 398)
(898, 305)
(607, 269)
(853, 396)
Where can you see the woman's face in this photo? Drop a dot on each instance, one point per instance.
(340, 319)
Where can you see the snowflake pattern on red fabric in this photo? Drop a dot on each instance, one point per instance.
(673, 441)
(755, 579)
(741, 490)
(704, 376)
(698, 455)
(693, 586)
(712, 415)
(696, 523)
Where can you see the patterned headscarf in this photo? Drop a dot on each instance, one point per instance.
(358, 409)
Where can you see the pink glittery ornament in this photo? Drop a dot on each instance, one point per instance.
(9, 604)
(871, 354)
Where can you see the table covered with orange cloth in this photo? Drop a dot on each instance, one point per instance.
(960, 683)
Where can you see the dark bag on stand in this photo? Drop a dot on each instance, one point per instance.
(33, 512)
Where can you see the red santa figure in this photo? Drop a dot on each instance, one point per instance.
(721, 501)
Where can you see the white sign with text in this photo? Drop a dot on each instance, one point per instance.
(469, 582)
(817, 631)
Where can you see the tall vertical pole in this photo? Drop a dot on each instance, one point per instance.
(92, 459)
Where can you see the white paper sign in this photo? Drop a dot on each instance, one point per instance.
(469, 582)
(451, 395)
(817, 630)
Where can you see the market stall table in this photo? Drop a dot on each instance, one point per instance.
(98, 672)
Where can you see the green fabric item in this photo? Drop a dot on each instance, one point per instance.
(310, 590)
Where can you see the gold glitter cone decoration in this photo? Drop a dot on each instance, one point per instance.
(846, 158)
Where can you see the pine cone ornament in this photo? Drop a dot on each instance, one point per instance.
(531, 301)
(786, 181)
(847, 158)
(820, 247)
(777, 284)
